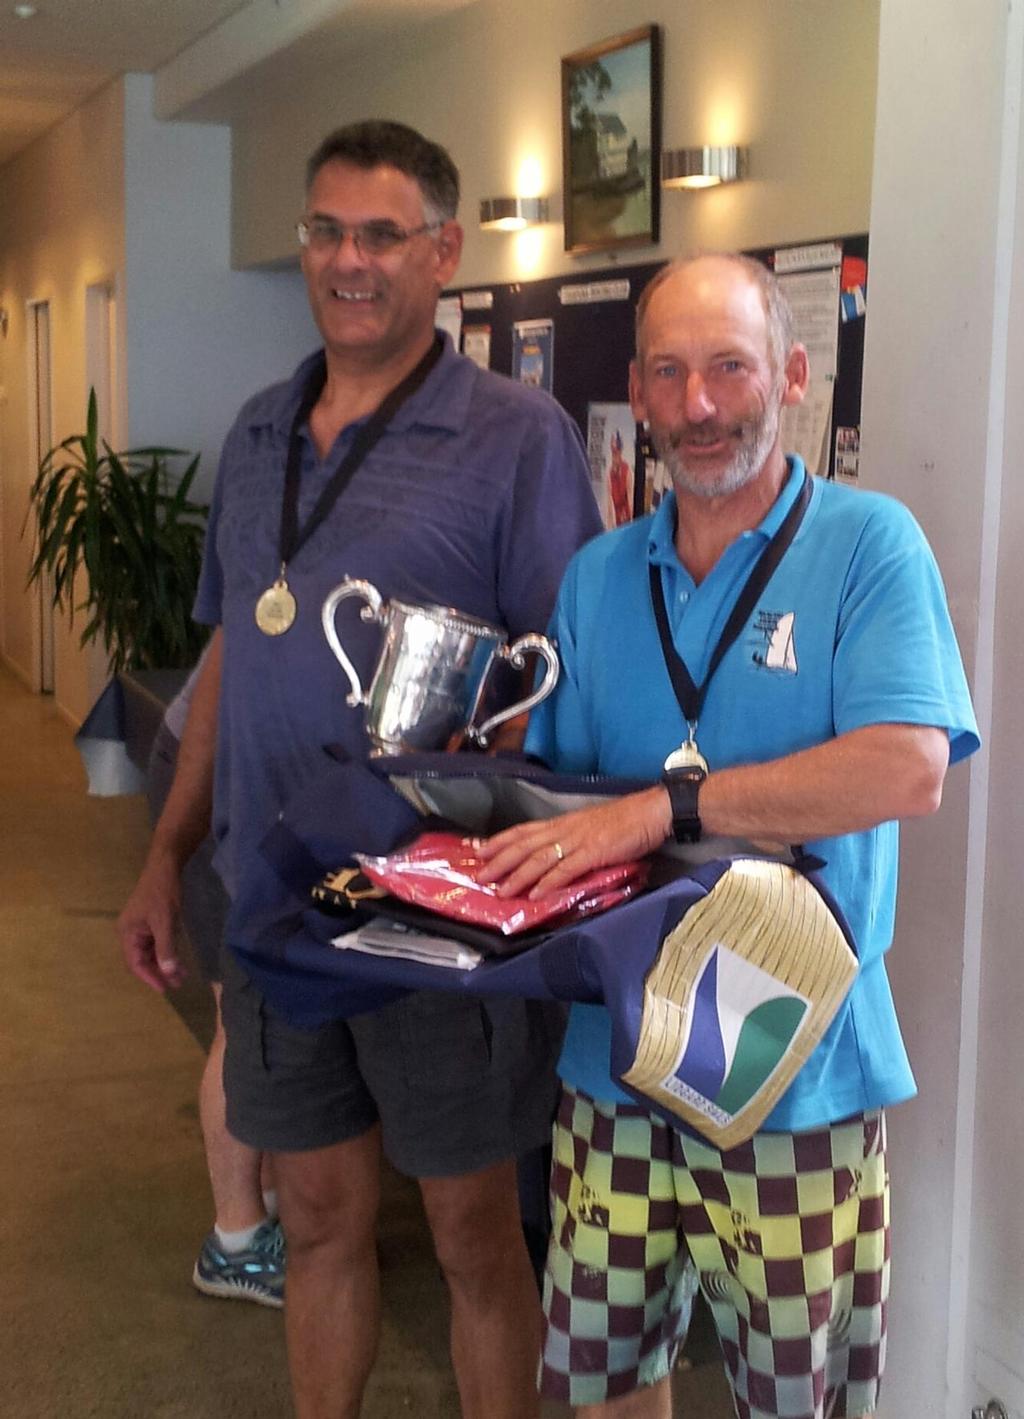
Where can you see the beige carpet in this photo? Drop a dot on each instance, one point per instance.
(103, 1195)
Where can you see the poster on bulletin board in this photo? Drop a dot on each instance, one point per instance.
(611, 445)
(533, 353)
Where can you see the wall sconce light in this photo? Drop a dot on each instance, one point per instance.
(512, 214)
(4, 320)
(703, 167)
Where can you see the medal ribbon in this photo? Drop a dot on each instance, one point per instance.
(690, 695)
(292, 536)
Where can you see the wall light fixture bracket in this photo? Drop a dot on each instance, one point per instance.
(703, 167)
(512, 214)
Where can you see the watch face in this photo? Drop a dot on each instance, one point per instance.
(685, 757)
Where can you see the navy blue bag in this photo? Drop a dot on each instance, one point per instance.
(712, 1043)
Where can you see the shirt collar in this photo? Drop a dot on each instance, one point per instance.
(442, 400)
(661, 544)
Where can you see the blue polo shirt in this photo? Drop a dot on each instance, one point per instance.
(853, 629)
(475, 497)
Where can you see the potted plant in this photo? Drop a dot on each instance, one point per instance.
(126, 523)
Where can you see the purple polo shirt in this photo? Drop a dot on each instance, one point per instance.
(475, 497)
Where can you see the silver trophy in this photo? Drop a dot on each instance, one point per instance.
(431, 672)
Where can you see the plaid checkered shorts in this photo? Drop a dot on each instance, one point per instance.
(787, 1237)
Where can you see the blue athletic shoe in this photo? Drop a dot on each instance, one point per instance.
(256, 1274)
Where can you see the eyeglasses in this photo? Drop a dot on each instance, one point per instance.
(368, 238)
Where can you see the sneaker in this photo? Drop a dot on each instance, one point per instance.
(256, 1274)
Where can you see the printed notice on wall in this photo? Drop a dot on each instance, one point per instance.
(593, 292)
(533, 353)
(847, 464)
(814, 300)
(449, 317)
(476, 344)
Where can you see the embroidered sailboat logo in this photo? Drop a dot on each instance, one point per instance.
(780, 653)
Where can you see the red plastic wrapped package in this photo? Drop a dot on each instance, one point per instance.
(439, 872)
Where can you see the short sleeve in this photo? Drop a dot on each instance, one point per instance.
(550, 513)
(896, 657)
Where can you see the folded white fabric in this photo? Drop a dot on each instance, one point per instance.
(380, 938)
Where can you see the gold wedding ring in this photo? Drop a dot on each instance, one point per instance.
(559, 854)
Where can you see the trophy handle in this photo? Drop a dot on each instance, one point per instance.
(372, 611)
(516, 654)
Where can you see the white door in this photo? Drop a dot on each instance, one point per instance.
(40, 440)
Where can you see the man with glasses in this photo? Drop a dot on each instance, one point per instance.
(474, 494)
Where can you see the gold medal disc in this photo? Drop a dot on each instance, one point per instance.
(276, 609)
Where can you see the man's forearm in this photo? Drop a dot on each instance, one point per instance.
(850, 784)
(874, 775)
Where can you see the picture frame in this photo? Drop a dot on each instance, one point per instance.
(611, 142)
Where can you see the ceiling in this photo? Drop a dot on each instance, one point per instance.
(69, 49)
(49, 64)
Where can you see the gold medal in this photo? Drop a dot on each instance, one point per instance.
(276, 608)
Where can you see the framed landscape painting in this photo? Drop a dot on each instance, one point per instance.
(611, 142)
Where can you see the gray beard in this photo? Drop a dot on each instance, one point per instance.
(758, 440)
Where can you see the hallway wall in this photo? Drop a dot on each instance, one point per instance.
(942, 430)
(795, 81)
(110, 195)
(61, 229)
(200, 336)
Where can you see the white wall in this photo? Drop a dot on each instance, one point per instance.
(995, 1360)
(795, 80)
(200, 337)
(942, 301)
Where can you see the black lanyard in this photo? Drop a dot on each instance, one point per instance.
(689, 695)
(292, 536)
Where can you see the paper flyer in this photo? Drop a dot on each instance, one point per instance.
(814, 300)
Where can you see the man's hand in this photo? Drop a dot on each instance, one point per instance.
(543, 856)
(146, 926)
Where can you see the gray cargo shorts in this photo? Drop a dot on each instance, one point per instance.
(456, 1083)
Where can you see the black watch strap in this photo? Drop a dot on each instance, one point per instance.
(683, 786)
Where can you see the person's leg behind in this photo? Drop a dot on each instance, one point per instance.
(242, 1257)
(235, 1169)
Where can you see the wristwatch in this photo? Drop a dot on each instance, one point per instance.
(683, 785)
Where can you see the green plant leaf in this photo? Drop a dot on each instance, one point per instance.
(124, 521)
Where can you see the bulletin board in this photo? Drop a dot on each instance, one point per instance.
(582, 338)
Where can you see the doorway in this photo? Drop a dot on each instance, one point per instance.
(40, 383)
